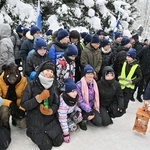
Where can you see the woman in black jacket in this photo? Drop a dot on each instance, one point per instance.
(111, 97)
(41, 101)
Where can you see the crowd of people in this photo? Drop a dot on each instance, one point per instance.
(55, 82)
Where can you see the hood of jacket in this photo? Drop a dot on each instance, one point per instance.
(5, 31)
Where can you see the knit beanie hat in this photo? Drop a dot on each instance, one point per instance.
(69, 85)
(24, 31)
(71, 50)
(100, 32)
(95, 39)
(87, 38)
(34, 29)
(135, 36)
(117, 35)
(62, 34)
(125, 41)
(19, 28)
(40, 43)
(83, 34)
(49, 32)
(131, 53)
(105, 42)
(48, 65)
(88, 69)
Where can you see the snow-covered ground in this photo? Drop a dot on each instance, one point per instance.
(118, 136)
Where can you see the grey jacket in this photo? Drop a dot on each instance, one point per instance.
(6, 45)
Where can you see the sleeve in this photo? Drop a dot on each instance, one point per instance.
(62, 116)
(28, 101)
(81, 102)
(99, 63)
(147, 92)
(84, 58)
(52, 54)
(29, 67)
(138, 75)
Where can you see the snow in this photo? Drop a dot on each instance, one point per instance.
(117, 136)
(89, 3)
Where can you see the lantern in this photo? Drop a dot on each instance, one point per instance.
(142, 119)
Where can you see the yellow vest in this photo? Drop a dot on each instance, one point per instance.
(125, 81)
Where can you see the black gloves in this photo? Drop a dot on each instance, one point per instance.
(16, 112)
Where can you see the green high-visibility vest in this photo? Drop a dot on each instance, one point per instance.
(125, 81)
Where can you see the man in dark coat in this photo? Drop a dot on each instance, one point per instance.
(41, 100)
(111, 96)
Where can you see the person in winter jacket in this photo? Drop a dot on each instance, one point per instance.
(41, 101)
(12, 85)
(130, 76)
(65, 66)
(69, 113)
(6, 46)
(88, 99)
(38, 57)
(91, 55)
(107, 55)
(60, 45)
(5, 137)
(111, 96)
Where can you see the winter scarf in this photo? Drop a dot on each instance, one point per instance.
(46, 82)
(84, 88)
(69, 100)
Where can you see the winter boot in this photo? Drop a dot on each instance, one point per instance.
(139, 98)
(82, 125)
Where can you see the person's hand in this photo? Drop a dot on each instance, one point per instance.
(45, 111)
(44, 94)
(95, 75)
(67, 138)
(90, 117)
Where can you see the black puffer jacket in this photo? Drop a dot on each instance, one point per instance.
(110, 91)
(37, 123)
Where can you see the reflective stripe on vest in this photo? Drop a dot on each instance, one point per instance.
(125, 81)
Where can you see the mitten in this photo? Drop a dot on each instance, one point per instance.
(14, 110)
(67, 138)
(45, 111)
(32, 75)
(1, 101)
(44, 94)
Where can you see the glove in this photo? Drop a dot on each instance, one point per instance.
(67, 138)
(45, 111)
(44, 94)
(32, 75)
(91, 115)
(14, 110)
(1, 101)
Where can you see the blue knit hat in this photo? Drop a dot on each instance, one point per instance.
(70, 86)
(25, 30)
(40, 43)
(19, 28)
(88, 69)
(87, 38)
(117, 35)
(125, 41)
(62, 34)
(83, 34)
(131, 53)
(100, 32)
(95, 39)
(105, 42)
(34, 29)
(71, 50)
(49, 32)
(135, 36)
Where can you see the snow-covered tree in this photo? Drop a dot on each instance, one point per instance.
(91, 14)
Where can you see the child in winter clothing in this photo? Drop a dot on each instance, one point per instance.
(41, 101)
(111, 96)
(88, 99)
(34, 61)
(130, 76)
(65, 66)
(69, 113)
